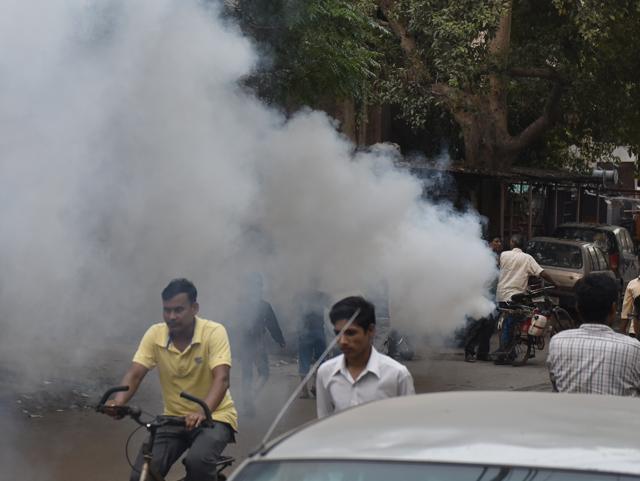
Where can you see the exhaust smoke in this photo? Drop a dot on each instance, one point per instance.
(131, 154)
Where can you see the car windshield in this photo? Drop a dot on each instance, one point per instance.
(597, 237)
(407, 471)
(553, 254)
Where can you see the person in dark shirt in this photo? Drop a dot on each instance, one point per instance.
(479, 331)
(311, 336)
(255, 317)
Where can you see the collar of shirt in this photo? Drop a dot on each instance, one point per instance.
(373, 366)
(595, 327)
(196, 339)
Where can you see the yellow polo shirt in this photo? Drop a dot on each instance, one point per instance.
(189, 370)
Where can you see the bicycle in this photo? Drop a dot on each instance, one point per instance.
(532, 312)
(148, 473)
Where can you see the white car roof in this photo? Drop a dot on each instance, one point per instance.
(546, 430)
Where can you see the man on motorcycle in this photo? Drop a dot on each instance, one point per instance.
(515, 269)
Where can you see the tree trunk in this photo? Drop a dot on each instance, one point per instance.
(483, 117)
(487, 143)
(483, 147)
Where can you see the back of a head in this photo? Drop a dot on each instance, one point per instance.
(595, 294)
(180, 286)
(517, 241)
(348, 306)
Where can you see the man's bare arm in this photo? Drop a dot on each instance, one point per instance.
(545, 275)
(132, 378)
(219, 386)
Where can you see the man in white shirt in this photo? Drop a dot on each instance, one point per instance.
(629, 311)
(515, 269)
(360, 374)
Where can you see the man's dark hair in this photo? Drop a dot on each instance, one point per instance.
(179, 286)
(517, 240)
(347, 307)
(595, 293)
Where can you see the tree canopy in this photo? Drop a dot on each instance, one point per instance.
(527, 81)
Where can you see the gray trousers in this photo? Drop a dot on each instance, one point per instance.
(205, 446)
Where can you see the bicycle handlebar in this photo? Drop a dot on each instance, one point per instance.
(109, 392)
(515, 307)
(135, 412)
(201, 403)
(533, 292)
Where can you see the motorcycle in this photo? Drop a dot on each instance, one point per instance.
(534, 317)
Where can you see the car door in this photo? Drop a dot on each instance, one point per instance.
(600, 264)
(590, 261)
(628, 258)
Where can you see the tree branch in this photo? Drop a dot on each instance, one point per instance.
(535, 72)
(407, 42)
(539, 126)
(442, 90)
(500, 44)
(499, 49)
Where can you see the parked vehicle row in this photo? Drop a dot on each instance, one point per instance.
(613, 240)
(576, 250)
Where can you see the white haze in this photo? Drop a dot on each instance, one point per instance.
(129, 155)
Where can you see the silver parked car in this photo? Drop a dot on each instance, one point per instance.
(460, 436)
(567, 261)
(614, 240)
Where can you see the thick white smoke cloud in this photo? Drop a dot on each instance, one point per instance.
(129, 155)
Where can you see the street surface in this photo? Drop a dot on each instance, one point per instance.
(58, 443)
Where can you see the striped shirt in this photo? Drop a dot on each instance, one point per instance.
(594, 359)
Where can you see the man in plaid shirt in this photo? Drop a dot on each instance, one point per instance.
(593, 358)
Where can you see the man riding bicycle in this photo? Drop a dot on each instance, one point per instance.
(192, 355)
(515, 269)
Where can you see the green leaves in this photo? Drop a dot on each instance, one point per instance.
(320, 48)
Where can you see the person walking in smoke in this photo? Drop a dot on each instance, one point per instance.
(361, 374)
(255, 318)
(311, 337)
(479, 331)
(193, 355)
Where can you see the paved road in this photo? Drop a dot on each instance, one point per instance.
(79, 444)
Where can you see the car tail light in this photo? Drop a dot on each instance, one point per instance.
(614, 261)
